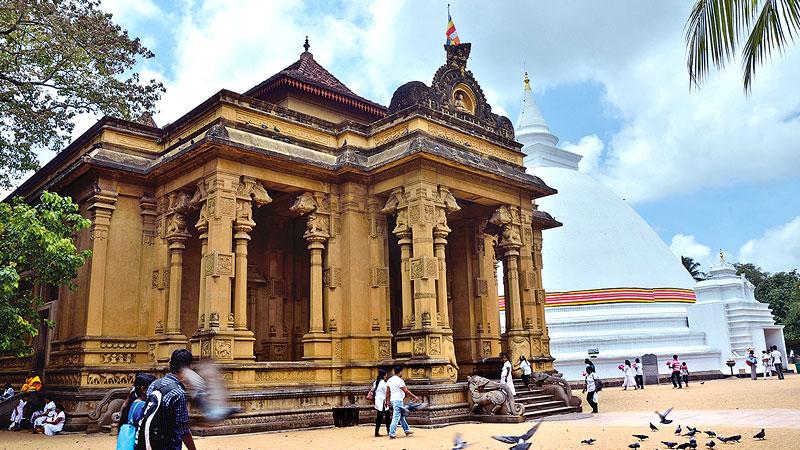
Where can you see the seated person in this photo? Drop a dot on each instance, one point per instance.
(32, 383)
(38, 418)
(53, 423)
(18, 414)
(8, 392)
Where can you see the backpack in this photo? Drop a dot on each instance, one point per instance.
(598, 385)
(156, 427)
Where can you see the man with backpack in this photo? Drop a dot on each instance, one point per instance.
(165, 421)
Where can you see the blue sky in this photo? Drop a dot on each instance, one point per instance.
(707, 169)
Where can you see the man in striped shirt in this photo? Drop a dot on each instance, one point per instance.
(675, 365)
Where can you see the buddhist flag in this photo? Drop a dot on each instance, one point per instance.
(452, 36)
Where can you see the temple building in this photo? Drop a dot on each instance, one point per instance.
(299, 235)
(614, 289)
(735, 321)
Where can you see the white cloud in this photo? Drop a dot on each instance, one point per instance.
(591, 147)
(777, 250)
(687, 245)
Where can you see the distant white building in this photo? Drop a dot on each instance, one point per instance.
(613, 286)
(733, 319)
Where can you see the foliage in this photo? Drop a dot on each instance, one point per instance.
(693, 268)
(716, 29)
(59, 58)
(782, 292)
(36, 248)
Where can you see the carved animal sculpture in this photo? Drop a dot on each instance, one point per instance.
(541, 378)
(490, 397)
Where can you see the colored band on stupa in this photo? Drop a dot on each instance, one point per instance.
(619, 295)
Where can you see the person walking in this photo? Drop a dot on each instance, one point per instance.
(383, 413)
(506, 377)
(629, 379)
(396, 392)
(685, 374)
(752, 361)
(172, 407)
(525, 366)
(675, 365)
(777, 361)
(591, 387)
(637, 367)
(132, 411)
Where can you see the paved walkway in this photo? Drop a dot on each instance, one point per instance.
(756, 418)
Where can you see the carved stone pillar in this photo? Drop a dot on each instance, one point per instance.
(198, 201)
(101, 205)
(177, 234)
(147, 205)
(396, 204)
(440, 232)
(315, 344)
(250, 192)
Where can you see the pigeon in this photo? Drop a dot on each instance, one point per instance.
(641, 437)
(669, 444)
(761, 435)
(411, 407)
(691, 432)
(634, 445)
(692, 442)
(589, 441)
(653, 427)
(710, 444)
(710, 433)
(521, 446)
(678, 430)
(458, 443)
(663, 416)
(734, 438)
(683, 446)
(518, 439)
(702, 382)
(208, 392)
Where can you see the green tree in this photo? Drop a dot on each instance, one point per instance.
(716, 29)
(59, 58)
(755, 274)
(693, 267)
(779, 290)
(36, 248)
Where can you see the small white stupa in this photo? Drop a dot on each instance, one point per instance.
(614, 289)
(734, 320)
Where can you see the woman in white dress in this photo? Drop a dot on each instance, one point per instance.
(505, 374)
(630, 376)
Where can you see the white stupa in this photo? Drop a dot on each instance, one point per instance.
(735, 321)
(614, 289)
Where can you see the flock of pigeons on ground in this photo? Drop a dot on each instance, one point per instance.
(521, 442)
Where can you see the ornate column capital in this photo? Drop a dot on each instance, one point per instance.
(446, 204)
(318, 222)
(102, 204)
(250, 192)
(177, 228)
(506, 218)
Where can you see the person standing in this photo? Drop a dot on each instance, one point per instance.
(506, 377)
(172, 406)
(629, 379)
(396, 392)
(132, 411)
(752, 361)
(18, 414)
(777, 361)
(383, 413)
(525, 366)
(685, 373)
(591, 387)
(637, 367)
(766, 360)
(675, 365)
(589, 363)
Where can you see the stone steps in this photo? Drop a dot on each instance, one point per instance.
(538, 404)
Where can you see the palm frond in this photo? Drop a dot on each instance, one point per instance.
(713, 32)
(777, 25)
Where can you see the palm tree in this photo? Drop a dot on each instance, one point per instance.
(716, 28)
(693, 268)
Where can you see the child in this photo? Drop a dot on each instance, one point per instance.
(685, 373)
(637, 366)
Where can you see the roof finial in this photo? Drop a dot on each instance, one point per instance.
(306, 46)
(527, 81)
(721, 256)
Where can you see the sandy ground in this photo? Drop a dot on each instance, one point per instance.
(728, 407)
